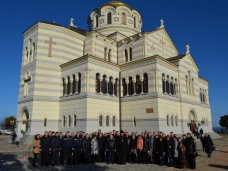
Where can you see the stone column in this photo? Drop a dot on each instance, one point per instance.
(127, 82)
(134, 85)
(76, 84)
(117, 88)
(113, 87)
(176, 89)
(100, 84)
(155, 81)
(106, 80)
(71, 86)
(65, 94)
(121, 85)
(141, 80)
(87, 80)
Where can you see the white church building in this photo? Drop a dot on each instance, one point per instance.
(111, 77)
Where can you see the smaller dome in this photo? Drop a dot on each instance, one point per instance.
(116, 4)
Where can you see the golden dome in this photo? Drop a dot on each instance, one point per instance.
(115, 4)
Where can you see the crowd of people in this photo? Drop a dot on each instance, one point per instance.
(55, 148)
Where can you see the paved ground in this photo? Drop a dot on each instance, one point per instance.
(13, 158)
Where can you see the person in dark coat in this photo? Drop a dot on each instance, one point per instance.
(111, 149)
(55, 147)
(61, 155)
(128, 146)
(100, 141)
(122, 148)
(208, 144)
(191, 151)
(160, 150)
(14, 136)
(146, 149)
(133, 149)
(67, 148)
(87, 149)
(45, 149)
(77, 144)
(169, 151)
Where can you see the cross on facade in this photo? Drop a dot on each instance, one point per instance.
(50, 43)
(163, 44)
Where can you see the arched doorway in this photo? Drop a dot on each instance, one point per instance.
(192, 122)
(25, 121)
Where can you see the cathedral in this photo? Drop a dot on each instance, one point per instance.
(110, 77)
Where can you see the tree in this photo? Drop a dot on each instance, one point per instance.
(10, 122)
(224, 122)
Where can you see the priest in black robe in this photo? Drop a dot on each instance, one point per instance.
(122, 148)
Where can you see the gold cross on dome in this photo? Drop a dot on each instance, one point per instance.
(50, 42)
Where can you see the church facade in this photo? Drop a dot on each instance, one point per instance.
(111, 77)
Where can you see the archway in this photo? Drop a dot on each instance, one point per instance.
(25, 121)
(192, 121)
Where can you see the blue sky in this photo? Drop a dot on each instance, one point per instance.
(202, 24)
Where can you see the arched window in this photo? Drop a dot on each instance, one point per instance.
(75, 120)
(134, 22)
(138, 85)
(130, 54)
(107, 120)
(167, 119)
(30, 49)
(69, 121)
(110, 86)
(109, 55)
(68, 85)
(109, 18)
(64, 87)
(104, 85)
(163, 83)
(186, 78)
(100, 120)
(64, 121)
(172, 120)
(45, 122)
(114, 121)
(130, 86)
(79, 82)
(34, 50)
(74, 84)
(167, 85)
(145, 83)
(27, 56)
(134, 121)
(176, 120)
(126, 55)
(123, 17)
(97, 88)
(124, 87)
(105, 53)
(96, 22)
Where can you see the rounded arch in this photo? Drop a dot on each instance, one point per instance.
(24, 120)
(192, 116)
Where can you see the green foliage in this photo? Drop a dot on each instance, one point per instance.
(224, 121)
(10, 121)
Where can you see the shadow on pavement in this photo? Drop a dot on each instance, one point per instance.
(219, 166)
(10, 162)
